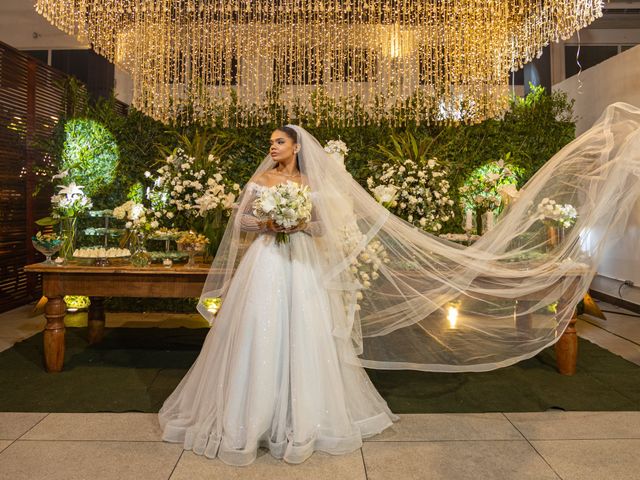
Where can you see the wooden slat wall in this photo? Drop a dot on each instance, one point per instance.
(31, 99)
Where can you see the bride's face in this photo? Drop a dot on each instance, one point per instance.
(283, 148)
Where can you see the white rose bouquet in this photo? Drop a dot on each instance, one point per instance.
(287, 205)
(415, 191)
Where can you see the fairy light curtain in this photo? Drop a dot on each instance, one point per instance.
(372, 60)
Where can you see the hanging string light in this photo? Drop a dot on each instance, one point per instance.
(230, 61)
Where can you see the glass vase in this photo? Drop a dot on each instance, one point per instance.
(139, 255)
(68, 230)
(555, 236)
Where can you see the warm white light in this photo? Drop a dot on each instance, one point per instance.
(407, 61)
(452, 316)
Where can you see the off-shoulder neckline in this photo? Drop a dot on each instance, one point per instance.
(281, 183)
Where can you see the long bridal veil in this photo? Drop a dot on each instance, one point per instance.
(394, 288)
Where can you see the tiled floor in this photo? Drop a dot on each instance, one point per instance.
(538, 446)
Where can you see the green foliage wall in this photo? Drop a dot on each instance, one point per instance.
(532, 131)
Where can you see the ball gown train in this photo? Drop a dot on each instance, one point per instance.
(270, 373)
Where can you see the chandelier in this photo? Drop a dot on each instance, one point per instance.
(248, 62)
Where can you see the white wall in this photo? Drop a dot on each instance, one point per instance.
(614, 80)
(19, 22)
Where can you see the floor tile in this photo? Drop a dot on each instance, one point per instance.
(36, 460)
(592, 459)
(97, 426)
(623, 325)
(6, 343)
(473, 460)
(577, 425)
(441, 426)
(21, 327)
(620, 346)
(319, 467)
(15, 424)
(4, 444)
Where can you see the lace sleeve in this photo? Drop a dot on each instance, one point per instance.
(248, 221)
(315, 228)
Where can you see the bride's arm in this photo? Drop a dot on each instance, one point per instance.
(248, 221)
(315, 227)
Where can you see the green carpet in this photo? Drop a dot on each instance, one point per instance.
(135, 370)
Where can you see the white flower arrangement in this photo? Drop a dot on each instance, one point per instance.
(287, 204)
(182, 188)
(549, 211)
(135, 215)
(419, 193)
(337, 150)
(490, 187)
(366, 265)
(70, 200)
(386, 195)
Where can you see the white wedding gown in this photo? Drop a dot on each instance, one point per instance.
(270, 372)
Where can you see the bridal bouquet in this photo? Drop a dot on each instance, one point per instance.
(287, 205)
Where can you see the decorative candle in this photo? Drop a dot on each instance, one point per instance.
(468, 220)
(489, 220)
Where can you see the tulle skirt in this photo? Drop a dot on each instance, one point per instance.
(271, 373)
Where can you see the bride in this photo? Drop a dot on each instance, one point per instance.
(282, 366)
(271, 373)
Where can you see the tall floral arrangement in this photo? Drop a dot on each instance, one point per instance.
(66, 204)
(417, 191)
(70, 201)
(183, 191)
(490, 186)
(337, 150)
(192, 194)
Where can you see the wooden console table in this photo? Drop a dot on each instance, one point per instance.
(158, 281)
(109, 281)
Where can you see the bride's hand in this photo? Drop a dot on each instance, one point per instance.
(274, 227)
(298, 228)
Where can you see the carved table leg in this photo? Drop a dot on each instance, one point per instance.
(567, 348)
(96, 320)
(54, 312)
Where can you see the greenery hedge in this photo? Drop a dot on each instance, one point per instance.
(532, 131)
